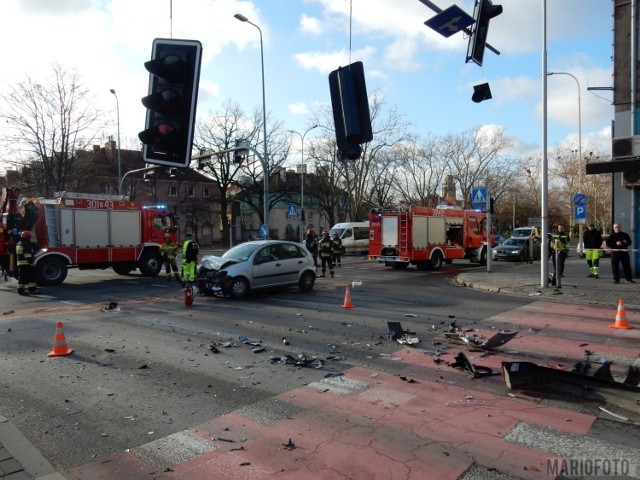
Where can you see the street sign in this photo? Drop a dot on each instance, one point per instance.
(292, 211)
(580, 214)
(479, 198)
(264, 231)
(450, 21)
(580, 199)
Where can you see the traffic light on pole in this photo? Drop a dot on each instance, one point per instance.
(350, 105)
(483, 12)
(241, 151)
(171, 103)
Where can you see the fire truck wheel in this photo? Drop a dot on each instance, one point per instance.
(237, 287)
(51, 271)
(150, 263)
(307, 280)
(436, 260)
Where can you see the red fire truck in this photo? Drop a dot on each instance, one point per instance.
(427, 237)
(86, 231)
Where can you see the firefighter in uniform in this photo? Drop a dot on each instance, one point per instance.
(336, 248)
(559, 246)
(592, 240)
(169, 251)
(326, 253)
(26, 269)
(190, 252)
(311, 242)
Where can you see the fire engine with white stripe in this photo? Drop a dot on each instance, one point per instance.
(86, 231)
(427, 237)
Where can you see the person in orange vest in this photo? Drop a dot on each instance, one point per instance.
(26, 269)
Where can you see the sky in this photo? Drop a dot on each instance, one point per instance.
(420, 73)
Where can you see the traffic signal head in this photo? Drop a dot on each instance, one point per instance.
(483, 12)
(350, 105)
(481, 93)
(241, 151)
(171, 103)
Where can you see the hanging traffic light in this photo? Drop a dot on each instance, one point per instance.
(350, 110)
(483, 12)
(171, 103)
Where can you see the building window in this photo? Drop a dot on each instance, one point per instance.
(173, 191)
(190, 193)
(205, 192)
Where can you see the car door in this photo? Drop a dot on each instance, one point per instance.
(265, 271)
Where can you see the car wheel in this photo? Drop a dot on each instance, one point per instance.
(436, 260)
(483, 257)
(237, 287)
(307, 281)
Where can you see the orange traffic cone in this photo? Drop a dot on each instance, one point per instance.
(347, 299)
(60, 344)
(621, 318)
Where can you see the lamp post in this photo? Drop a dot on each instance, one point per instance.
(580, 172)
(265, 165)
(119, 158)
(302, 169)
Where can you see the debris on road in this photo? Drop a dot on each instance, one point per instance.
(498, 340)
(112, 307)
(476, 371)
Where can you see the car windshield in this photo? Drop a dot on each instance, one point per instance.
(526, 232)
(516, 241)
(241, 253)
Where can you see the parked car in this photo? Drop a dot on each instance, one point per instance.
(255, 266)
(515, 248)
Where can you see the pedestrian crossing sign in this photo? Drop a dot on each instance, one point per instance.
(479, 197)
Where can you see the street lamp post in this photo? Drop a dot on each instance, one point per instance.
(265, 165)
(119, 157)
(303, 166)
(580, 170)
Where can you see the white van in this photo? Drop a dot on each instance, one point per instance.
(354, 236)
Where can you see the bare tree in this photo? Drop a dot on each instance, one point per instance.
(47, 124)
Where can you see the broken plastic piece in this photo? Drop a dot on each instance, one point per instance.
(476, 371)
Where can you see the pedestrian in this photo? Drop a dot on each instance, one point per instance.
(559, 247)
(169, 252)
(619, 242)
(190, 252)
(26, 270)
(336, 249)
(592, 241)
(311, 242)
(326, 253)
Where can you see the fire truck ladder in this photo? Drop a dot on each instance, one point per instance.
(403, 233)
(53, 229)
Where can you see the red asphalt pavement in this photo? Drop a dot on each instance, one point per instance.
(437, 423)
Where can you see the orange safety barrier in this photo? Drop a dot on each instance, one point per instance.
(621, 318)
(59, 343)
(347, 299)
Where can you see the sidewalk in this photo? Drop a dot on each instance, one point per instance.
(20, 460)
(522, 279)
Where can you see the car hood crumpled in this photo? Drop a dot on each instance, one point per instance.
(211, 262)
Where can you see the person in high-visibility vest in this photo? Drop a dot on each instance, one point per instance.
(169, 251)
(592, 240)
(26, 270)
(190, 252)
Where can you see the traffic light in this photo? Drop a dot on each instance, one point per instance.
(242, 152)
(171, 103)
(483, 12)
(481, 92)
(492, 205)
(350, 110)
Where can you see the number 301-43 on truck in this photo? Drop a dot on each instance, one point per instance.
(86, 231)
(427, 237)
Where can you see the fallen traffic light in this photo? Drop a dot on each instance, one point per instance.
(481, 92)
(171, 103)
